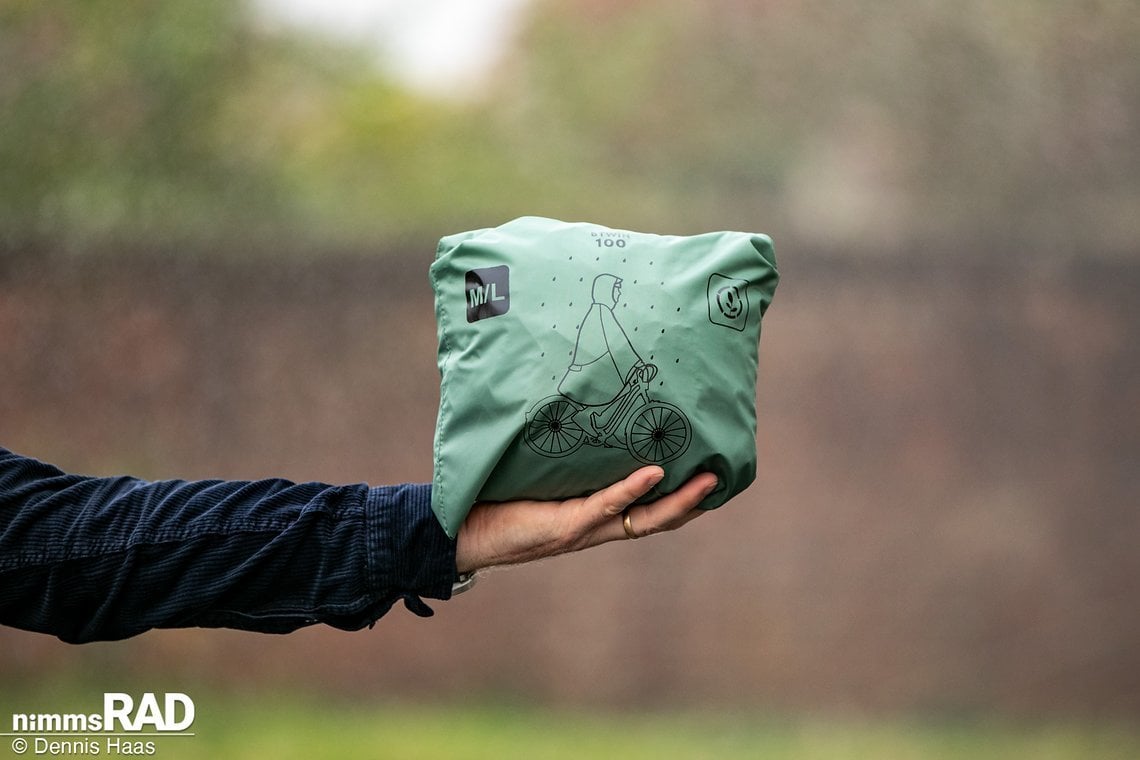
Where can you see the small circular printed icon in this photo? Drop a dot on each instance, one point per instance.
(728, 301)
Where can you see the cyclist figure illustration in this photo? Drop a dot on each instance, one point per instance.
(603, 358)
(604, 395)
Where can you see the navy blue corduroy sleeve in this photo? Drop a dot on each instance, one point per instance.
(89, 558)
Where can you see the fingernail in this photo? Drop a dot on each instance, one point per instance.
(710, 487)
(656, 478)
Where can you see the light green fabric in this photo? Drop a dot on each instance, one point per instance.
(556, 383)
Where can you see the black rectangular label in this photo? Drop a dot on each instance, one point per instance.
(488, 292)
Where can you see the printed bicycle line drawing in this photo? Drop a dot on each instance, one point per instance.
(603, 398)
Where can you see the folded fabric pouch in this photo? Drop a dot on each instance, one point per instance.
(572, 354)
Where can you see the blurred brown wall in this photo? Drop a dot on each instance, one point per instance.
(946, 517)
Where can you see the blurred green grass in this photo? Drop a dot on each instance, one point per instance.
(288, 725)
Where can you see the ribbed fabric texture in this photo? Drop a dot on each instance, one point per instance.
(89, 558)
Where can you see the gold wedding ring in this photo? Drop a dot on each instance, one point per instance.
(628, 525)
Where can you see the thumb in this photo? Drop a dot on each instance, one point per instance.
(613, 499)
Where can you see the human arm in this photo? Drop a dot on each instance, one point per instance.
(87, 558)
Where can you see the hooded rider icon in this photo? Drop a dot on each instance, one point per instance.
(603, 354)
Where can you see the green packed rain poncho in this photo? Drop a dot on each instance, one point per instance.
(572, 354)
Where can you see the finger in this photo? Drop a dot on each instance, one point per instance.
(672, 510)
(614, 499)
(639, 519)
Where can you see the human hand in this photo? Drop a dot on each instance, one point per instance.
(512, 532)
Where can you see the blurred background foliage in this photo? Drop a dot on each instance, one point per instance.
(871, 127)
(873, 122)
(192, 124)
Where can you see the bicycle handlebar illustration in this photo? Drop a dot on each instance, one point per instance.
(654, 432)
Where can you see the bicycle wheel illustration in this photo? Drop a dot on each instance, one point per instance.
(550, 427)
(657, 433)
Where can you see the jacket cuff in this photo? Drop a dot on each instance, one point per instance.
(409, 554)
